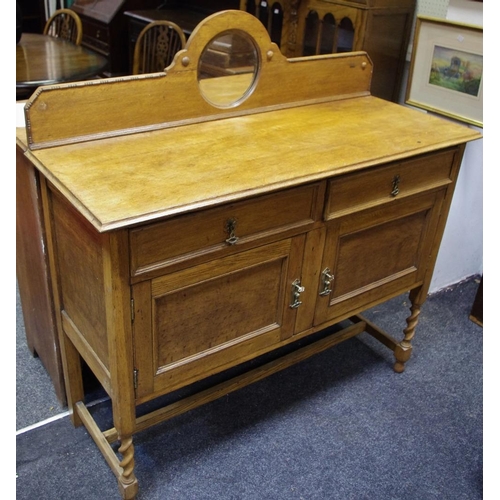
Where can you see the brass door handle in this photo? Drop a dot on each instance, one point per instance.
(326, 282)
(297, 289)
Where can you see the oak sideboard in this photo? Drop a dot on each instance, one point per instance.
(189, 221)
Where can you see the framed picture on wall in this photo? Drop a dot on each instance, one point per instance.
(446, 70)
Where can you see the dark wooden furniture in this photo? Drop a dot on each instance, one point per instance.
(476, 313)
(189, 235)
(380, 27)
(33, 15)
(45, 60)
(33, 278)
(187, 14)
(308, 27)
(105, 29)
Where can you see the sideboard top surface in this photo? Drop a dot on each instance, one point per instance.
(121, 181)
(135, 149)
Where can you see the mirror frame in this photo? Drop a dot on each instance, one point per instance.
(211, 94)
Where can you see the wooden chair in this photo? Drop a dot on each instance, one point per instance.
(156, 46)
(66, 24)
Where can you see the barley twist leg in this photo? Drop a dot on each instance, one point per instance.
(402, 353)
(127, 482)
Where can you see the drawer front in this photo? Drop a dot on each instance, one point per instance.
(378, 185)
(224, 229)
(95, 36)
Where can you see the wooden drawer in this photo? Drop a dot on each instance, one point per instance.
(200, 234)
(96, 36)
(353, 192)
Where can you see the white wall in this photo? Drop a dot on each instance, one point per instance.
(465, 11)
(461, 252)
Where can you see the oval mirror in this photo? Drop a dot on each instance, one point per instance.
(227, 68)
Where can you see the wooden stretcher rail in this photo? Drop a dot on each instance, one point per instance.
(247, 378)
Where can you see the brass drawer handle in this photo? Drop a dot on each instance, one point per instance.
(395, 185)
(297, 289)
(230, 228)
(326, 282)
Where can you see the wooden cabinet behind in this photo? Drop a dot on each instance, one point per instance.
(105, 29)
(309, 27)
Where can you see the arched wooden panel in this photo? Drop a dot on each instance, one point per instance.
(345, 41)
(327, 37)
(311, 34)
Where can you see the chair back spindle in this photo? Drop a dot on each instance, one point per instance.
(66, 24)
(156, 46)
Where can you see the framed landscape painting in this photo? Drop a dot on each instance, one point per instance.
(446, 71)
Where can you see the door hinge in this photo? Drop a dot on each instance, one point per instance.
(132, 310)
(136, 378)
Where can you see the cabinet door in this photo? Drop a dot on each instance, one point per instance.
(199, 321)
(375, 254)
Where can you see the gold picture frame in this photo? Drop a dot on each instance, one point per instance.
(446, 70)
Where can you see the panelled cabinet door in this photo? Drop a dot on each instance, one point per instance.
(376, 252)
(199, 321)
